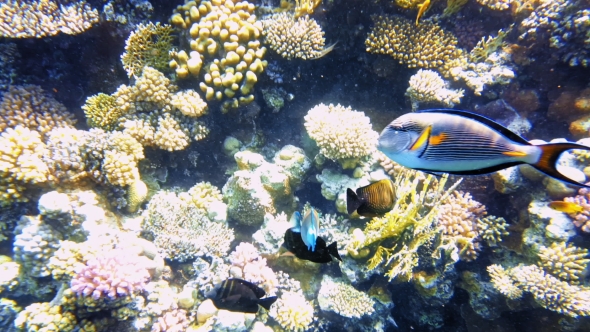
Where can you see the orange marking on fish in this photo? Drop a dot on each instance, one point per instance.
(514, 153)
(436, 140)
(422, 139)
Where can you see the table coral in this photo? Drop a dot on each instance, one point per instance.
(426, 45)
(30, 107)
(41, 18)
(426, 86)
(292, 312)
(224, 41)
(564, 261)
(181, 231)
(291, 38)
(147, 45)
(344, 299)
(342, 134)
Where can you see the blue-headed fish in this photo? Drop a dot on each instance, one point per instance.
(373, 200)
(308, 226)
(464, 143)
(239, 295)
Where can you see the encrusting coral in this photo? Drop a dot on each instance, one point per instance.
(41, 18)
(426, 86)
(225, 51)
(425, 46)
(289, 37)
(147, 45)
(342, 134)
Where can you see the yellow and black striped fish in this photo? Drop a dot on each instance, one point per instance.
(464, 143)
(372, 200)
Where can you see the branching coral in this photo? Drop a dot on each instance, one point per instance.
(101, 111)
(491, 229)
(182, 231)
(426, 45)
(34, 245)
(224, 41)
(148, 45)
(564, 261)
(410, 224)
(341, 134)
(289, 37)
(292, 312)
(503, 282)
(344, 299)
(189, 103)
(203, 194)
(249, 265)
(581, 219)
(40, 18)
(426, 86)
(45, 317)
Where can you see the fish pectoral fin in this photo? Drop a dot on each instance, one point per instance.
(422, 139)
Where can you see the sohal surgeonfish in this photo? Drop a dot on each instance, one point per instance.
(464, 143)
(373, 200)
(240, 295)
(322, 253)
(308, 226)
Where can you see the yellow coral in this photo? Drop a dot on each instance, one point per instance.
(137, 193)
(305, 7)
(224, 41)
(565, 261)
(31, 107)
(148, 45)
(152, 90)
(341, 134)
(496, 4)
(344, 299)
(102, 112)
(292, 312)
(40, 18)
(119, 168)
(203, 194)
(45, 317)
(189, 103)
(503, 282)
(426, 45)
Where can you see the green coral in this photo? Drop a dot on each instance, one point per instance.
(101, 111)
(147, 46)
(397, 236)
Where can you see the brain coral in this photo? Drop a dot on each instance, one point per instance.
(426, 45)
(301, 38)
(341, 133)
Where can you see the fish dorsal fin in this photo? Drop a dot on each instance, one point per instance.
(481, 119)
(296, 221)
(259, 292)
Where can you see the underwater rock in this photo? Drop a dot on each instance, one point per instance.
(546, 225)
(507, 180)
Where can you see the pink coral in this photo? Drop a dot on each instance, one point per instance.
(581, 219)
(253, 267)
(114, 274)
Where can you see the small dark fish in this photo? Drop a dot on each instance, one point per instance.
(464, 143)
(322, 253)
(373, 200)
(240, 295)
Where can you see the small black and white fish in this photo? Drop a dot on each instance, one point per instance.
(373, 200)
(322, 253)
(464, 143)
(240, 295)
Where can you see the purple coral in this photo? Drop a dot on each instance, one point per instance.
(581, 219)
(114, 274)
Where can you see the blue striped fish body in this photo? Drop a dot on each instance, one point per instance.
(464, 143)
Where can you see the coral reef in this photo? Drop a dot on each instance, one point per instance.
(581, 219)
(292, 312)
(224, 42)
(342, 134)
(564, 261)
(247, 264)
(426, 86)
(291, 38)
(41, 18)
(344, 299)
(148, 46)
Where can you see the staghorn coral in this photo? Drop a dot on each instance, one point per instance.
(41, 18)
(292, 37)
(503, 282)
(564, 261)
(344, 299)
(552, 293)
(342, 134)
(426, 86)
(426, 45)
(458, 217)
(101, 111)
(147, 45)
(410, 224)
(181, 231)
(225, 50)
(113, 274)
(491, 229)
(292, 312)
(29, 106)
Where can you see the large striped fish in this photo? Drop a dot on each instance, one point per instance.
(464, 143)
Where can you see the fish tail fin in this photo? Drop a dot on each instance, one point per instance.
(333, 250)
(353, 202)
(550, 153)
(267, 302)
